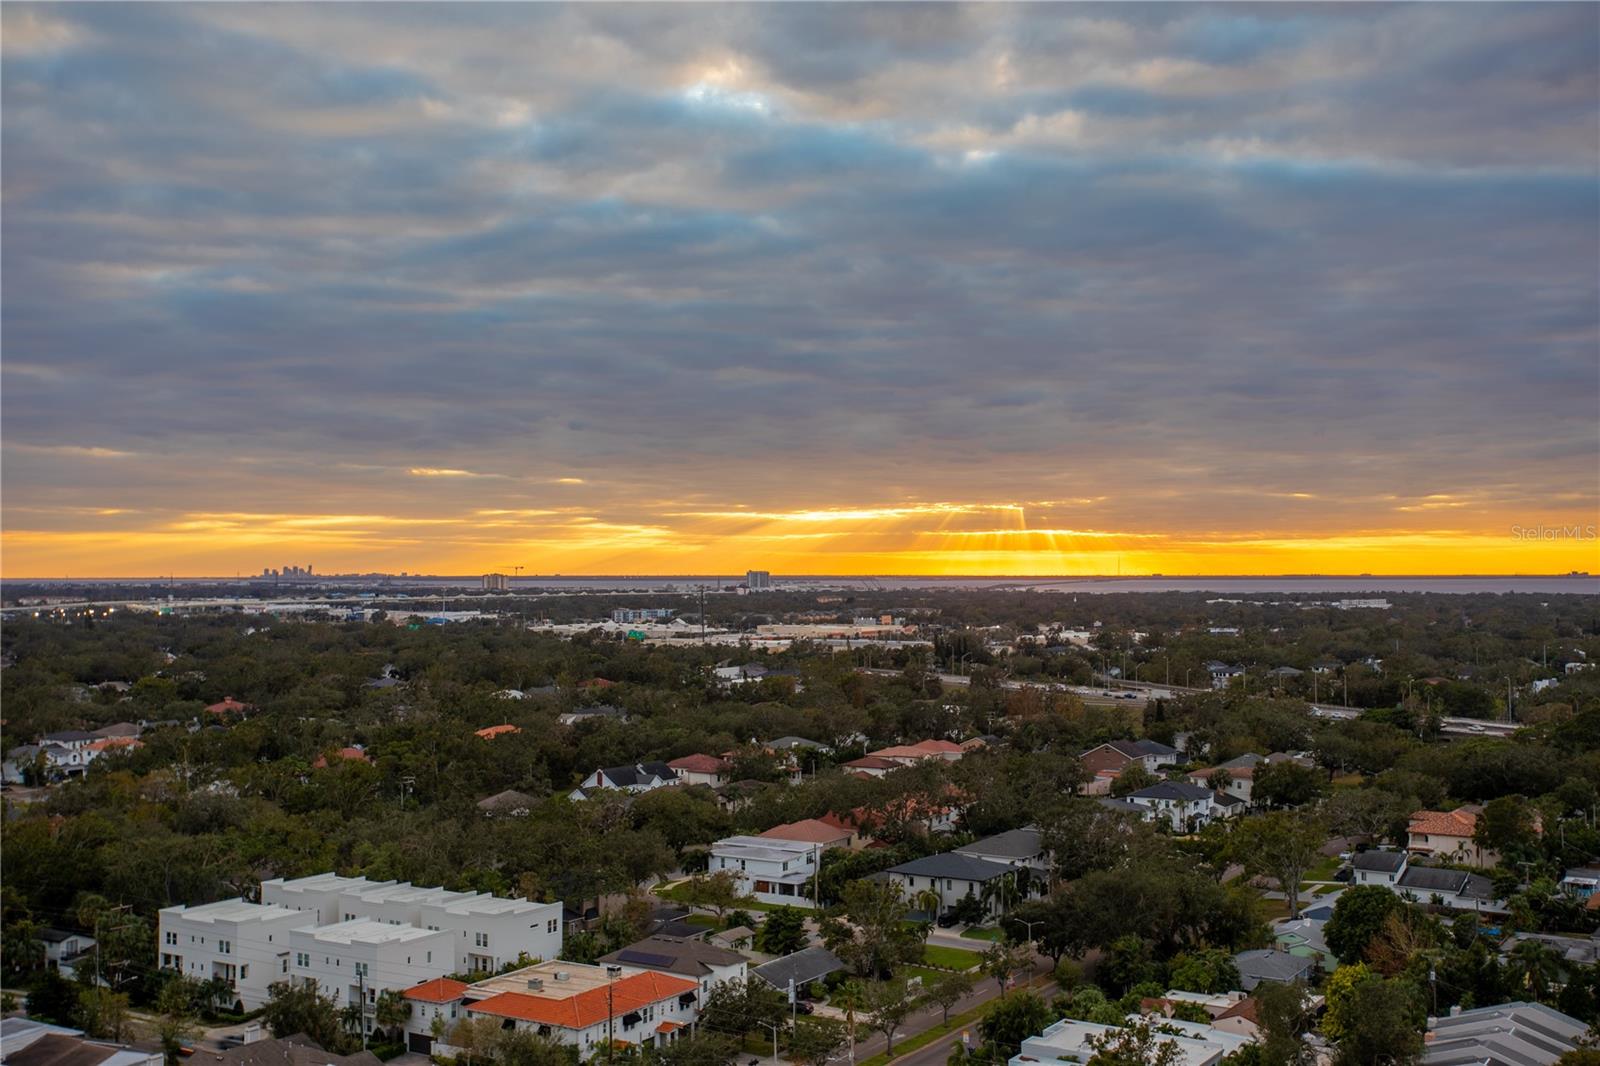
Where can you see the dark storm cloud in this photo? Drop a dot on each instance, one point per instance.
(819, 250)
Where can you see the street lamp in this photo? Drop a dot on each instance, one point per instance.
(613, 971)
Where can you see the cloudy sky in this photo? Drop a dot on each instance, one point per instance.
(819, 289)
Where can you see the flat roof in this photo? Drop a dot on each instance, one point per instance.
(484, 903)
(369, 931)
(324, 882)
(406, 892)
(579, 978)
(232, 910)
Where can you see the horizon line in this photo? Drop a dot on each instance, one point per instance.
(818, 576)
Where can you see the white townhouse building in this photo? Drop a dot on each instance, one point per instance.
(245, 944)
(319, 893)
(355, 961)
(769, 869)
(491, 932)
(488, 931)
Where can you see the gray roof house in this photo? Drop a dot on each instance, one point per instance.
(640, 777)
(802, 967)
(1510, 1034)
(1258, 966)
(951, 875)
(704, 963)
(1456, 889)
(1017, 847)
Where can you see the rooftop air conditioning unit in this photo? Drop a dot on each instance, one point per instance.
(536, 984)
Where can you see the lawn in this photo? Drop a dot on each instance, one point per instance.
(709, 921)
(1325, 868)
(949, 958)
(680, 893)
(975, 933)
(928, 976)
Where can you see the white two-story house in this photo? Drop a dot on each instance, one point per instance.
(770, 870)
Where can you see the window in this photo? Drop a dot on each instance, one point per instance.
(302, 959)
(550, 926)
(244, 971)
(361, 969)
(225, 947)
(481, 939)
(172, 938)
(285, 965)
(430, 959)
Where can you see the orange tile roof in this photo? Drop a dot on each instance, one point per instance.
(923, 749)
(490, 732)
(669, 1027)
(350, 754)
(115, 742)
(228, 704)
(872, 762)
(439, 990)
(808, 831)
(1456, 823)
(700, 764)
(589, 1007)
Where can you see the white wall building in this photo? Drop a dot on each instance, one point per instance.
(769, 869)
(245, 944)
(357, 960)
(487, 931)
(491, 932)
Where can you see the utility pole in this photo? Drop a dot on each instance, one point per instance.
(612, 970)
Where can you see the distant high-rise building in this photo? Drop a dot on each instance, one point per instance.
(496, 583)
(758, 580)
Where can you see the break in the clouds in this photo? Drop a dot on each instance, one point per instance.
(588, 283)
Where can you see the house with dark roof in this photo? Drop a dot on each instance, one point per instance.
(707, 964)
(1182, 806)
(1222, 674)
(1104, 762)
(72, 1049)
(296, 1050)
(799, 969)
(508, 804)
(1455, 889)
(1015, 847)
(1270, 965)
(1509, 1034)
(603, 712)
(953, 877)
(1377, 867)
(640, 777)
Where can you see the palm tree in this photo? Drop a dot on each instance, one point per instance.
(1536, 967)
(930, 901)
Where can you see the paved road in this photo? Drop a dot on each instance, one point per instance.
(935, 1053)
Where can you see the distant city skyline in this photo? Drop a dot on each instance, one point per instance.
(829, 289)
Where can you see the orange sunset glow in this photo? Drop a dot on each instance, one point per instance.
(845, 289)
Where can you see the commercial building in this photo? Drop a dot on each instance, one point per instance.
(758, 580)
(496, 583)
